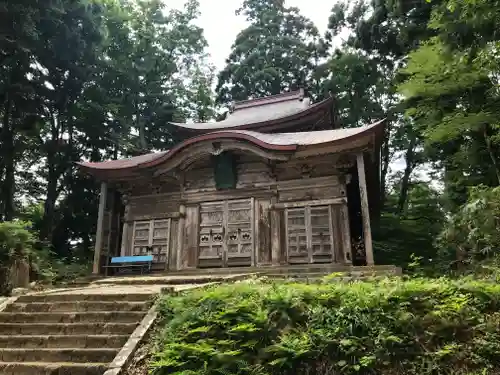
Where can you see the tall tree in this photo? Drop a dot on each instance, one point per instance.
(278, 51)
(19, 34)
(451, 85)
(153, 51)
(375, 39)
(89, 80)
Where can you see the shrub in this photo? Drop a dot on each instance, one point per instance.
(16, 242)
(386, 327)
(473, 233)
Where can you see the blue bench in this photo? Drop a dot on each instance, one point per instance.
(141, 262)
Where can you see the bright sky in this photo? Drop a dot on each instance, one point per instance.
(221, 25)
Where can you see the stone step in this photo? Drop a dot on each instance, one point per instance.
(320, 270)
(67, 328)
(169, 279)
(63, 341)
(200, 276)
(79, 306)
(70, 317)
(136, 297)
(318, 276)
(43, 368)
(293, 268)
(73, 355)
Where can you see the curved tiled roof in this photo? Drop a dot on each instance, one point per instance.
(260, 114)
(123, 163)
(274, 142)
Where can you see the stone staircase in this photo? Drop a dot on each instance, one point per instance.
(67, 334)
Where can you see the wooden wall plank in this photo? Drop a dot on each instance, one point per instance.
(263, 231)
(275, 235)
(190, 248)
(173, 246)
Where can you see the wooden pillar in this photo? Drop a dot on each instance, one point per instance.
(180, 236)
(275, 235)
(346, 234)
(365, 211)
(126, 225)
(100, 228)
(123, 247)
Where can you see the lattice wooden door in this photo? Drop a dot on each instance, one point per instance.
(321, 234)
(309, 234)
(152, 237)
(211, 234)
(240, 233)
(226, 233)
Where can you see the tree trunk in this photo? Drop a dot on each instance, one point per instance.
(385, 167)
(405, 181)
(50, 202)
(52, 181)
(8, 161)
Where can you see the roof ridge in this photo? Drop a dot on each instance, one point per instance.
(272, 99)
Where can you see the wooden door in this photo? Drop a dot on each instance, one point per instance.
(212, 227)
(226, 233)
(309, 234)
(239, 239)
(296, 235)
(160, 239)
(152, 237)
(141, 237)
(321, 234)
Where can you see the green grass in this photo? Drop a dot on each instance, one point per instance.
(392, 326)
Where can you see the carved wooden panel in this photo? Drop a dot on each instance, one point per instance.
(226, 233)
(200, 179)
(309, 234)
(255, 173)
(150, 207)
(152, 237)
(310, 189)
(326, 165)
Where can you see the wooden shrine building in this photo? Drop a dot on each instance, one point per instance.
(273, 184)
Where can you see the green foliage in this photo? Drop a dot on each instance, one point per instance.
(100, 80)
(451, 91)
(473, 232)
(16, 241)
(356, 82)
(391, 326)
(278, 51)
(400, 235)
(59, 271)
(89, 80)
